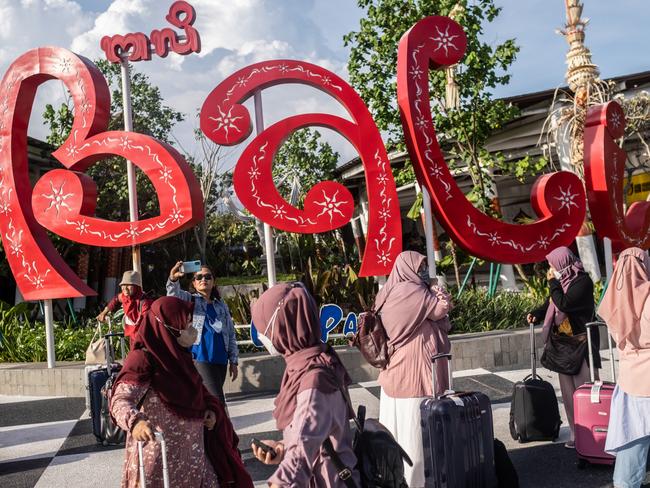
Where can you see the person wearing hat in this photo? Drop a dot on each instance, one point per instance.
(132, 300)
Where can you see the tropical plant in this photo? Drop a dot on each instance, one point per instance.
(476, 311)
(464, 121)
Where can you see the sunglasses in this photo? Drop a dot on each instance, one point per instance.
(199, 277)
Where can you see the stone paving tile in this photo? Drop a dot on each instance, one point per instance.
(58, 448)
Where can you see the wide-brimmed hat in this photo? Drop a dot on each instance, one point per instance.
(131, 278)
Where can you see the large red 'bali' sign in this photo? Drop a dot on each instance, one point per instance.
(558, 198)
(328, 205)
(604, 174)
(63, 200)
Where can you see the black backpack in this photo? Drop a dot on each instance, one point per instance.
(380, 459)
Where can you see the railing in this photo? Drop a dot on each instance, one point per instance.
(250, 342)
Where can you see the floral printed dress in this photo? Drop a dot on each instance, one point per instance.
(187, 463)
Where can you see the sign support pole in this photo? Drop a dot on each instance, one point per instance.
(49, 332)
(428, 231)
(268, 230)
(609, 261)
(130, 169)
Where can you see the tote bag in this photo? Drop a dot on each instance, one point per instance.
(96, 352)
(564, 354)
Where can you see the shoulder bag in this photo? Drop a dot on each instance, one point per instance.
(564, 354)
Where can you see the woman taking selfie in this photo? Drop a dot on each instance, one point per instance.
(215, 346)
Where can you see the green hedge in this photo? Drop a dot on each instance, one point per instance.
(24, 341)
(475, 311)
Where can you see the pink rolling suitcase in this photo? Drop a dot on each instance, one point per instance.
(591, 405)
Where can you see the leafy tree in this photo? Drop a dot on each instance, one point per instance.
(209, 164)
(305, 156)
(306, 159)
(464, 129)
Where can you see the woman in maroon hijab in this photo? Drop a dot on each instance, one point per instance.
(310, 406)
(569, 307)
(159, 389)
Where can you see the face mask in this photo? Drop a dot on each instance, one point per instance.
(557, 275)
(424, 275)
(268, 345)
(264, 339)
(187, 337)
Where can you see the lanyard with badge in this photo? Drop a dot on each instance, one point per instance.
(216, 325)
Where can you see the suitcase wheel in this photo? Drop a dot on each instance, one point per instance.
(582, 463)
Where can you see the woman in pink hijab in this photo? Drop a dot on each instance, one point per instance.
(569, 307)
(626, 310)
(415, 317)
(310, 407)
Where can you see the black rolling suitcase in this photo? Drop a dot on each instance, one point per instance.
(534, 412)
(458, 438)
(99, 382)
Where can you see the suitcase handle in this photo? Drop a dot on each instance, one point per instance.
(158, 436)
(114, 334)
(589, 325)
(533, 352)
(110, 353)
(433, 372)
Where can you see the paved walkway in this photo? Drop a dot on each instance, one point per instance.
(48, 442)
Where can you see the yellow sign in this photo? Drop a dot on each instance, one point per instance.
(639, 190)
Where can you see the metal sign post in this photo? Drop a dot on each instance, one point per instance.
(49, 332)
(268, 230)
(130, 169)
(428, 231)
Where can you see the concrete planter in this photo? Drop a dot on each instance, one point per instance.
(503, 349)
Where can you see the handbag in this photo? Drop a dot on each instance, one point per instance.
(96, 351)
(564, 354)
(371, 339)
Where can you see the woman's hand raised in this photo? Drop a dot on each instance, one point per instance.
(175, 274)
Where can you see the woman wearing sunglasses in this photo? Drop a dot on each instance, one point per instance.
(215, 346)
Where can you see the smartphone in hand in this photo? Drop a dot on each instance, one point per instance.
(190, 266)
(264, 447)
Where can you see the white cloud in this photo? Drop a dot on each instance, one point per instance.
(240, 32)
(233, 35)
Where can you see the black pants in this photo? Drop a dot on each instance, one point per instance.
(213, 376)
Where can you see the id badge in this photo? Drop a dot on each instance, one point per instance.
(217, 326)
(199, 331)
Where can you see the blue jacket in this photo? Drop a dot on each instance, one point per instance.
(198, 319)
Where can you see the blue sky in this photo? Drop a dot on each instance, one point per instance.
(239, 32)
